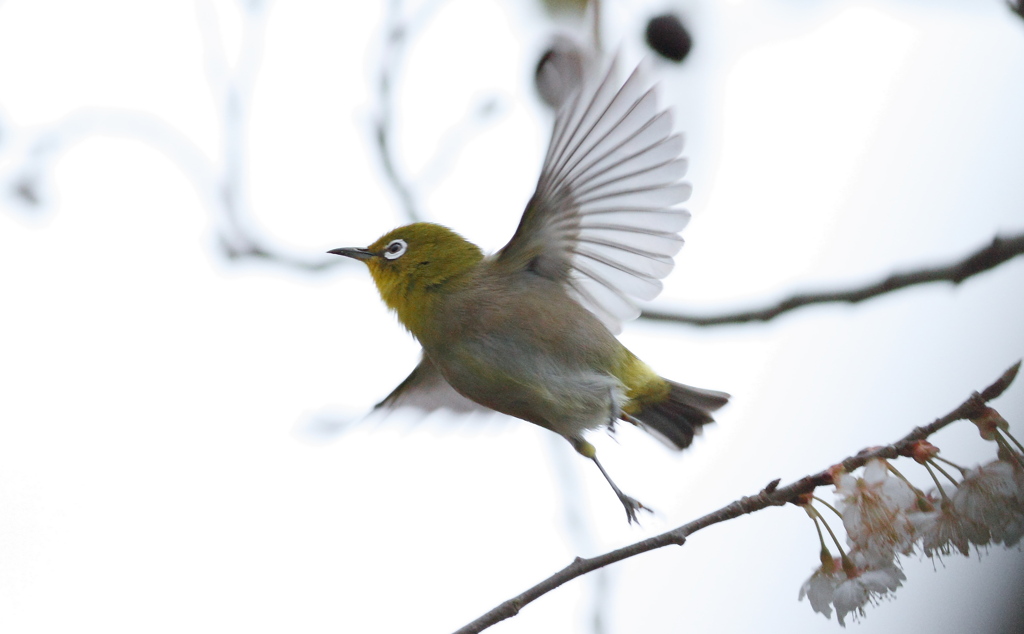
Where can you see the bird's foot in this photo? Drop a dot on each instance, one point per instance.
(632, 505)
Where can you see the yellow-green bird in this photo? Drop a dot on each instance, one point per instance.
(530, 330)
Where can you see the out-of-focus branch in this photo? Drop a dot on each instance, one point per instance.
(398, 31)
(771, 495)
(395, 34)
(232, 86)
(998, 251)
(221, 181)
(1017, 7)
(579, 531)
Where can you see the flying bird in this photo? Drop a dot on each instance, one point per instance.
(529, 331)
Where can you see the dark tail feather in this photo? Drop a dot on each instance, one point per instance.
(676, 419)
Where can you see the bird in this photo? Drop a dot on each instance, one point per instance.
(530, 330)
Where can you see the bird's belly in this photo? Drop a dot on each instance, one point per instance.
(531, 385)
(527, 350)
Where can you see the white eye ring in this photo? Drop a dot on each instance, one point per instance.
(395, 249)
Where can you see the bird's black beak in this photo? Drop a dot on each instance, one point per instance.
(353, 252)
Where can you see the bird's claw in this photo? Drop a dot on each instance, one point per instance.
(632, 505)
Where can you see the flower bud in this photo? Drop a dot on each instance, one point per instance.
(922, 451)
(988, 421)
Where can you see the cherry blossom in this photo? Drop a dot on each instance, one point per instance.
(849, 584)
(988, 496)
(874, 509)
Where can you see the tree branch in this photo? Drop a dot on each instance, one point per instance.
(395, 34)
(1017, 7)
(998, 251)
(398, 31)
(771, 495)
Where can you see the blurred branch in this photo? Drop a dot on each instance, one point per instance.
(998, 251)
(396, 33)
(771, 495)
(1017, 7)
(578, 528)
(456, 138)
(220, 182)
(232, 86)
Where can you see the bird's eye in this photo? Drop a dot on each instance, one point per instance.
(395, 249)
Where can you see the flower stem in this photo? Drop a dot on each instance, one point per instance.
(942, 492)
(943, 472)
(962, 471)
(830, 507)
(1016, 457)
(1015, 441)
(893, 470)
(842, 553)
(817, 527)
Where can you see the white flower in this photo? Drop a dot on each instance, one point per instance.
(819, 588)
(874, 509)
(1010, 533)
(865, 585)
(988, 496)
(850, 596)
(889, 576)
(944, 529)
(849, 588)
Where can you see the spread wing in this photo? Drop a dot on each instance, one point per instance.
(602, 220)
(426, 390)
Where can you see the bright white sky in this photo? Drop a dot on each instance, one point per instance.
(156, 470)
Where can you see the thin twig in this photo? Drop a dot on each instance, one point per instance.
(398, 30)
(232, 87)
(777, 497)
(579, 531)
(396, 33)
(998, 251)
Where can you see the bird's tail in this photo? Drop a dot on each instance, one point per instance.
(677, 418)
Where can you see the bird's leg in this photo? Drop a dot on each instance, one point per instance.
(632, 505)
(629, 419)
(613, 413)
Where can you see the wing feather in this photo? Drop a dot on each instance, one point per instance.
(603, 219)
(426, 390)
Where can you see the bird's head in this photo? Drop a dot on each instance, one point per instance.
(411, 262)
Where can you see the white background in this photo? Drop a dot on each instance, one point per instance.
(158, 466)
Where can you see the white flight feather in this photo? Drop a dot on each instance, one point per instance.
(612, 176)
